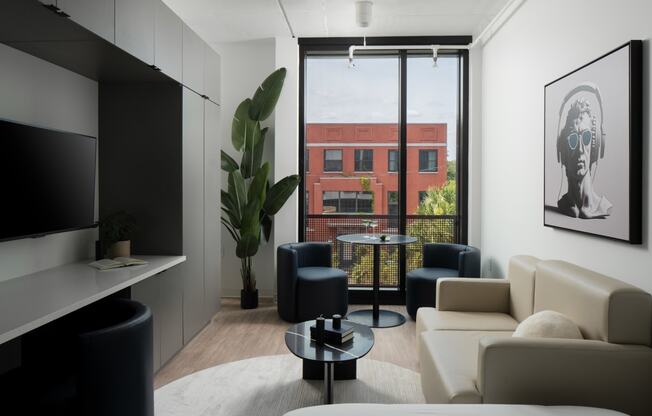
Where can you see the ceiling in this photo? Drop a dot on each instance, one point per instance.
(236, 20)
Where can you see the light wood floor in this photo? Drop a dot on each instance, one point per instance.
(234, 334)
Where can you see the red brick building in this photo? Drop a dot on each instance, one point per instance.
(353, 168)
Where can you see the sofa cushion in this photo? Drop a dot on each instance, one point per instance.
(449, 365)
(429, 319)
(432, 273)
(521, 275)
(548, 324)
(320, 273)
(359, 409)
(605, 309)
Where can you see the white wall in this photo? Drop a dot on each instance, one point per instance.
(244, 66)
(286, 143)
(543, 40)
(39, 93)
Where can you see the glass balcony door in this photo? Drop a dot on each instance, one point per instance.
(381, 150)
(351, 147)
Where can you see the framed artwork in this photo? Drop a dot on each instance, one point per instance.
(592, 147)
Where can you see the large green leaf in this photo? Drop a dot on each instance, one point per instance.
(248, 165)
(266, 96)
(279, 193)
(242, 125)
(259, 147)
(228, 164)
(230, 208)
(247, 246)
(238, 189)
(229, 227)
(251, 217)
(257, 187)
(266, 225)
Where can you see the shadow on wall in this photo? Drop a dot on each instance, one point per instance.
(491, 269)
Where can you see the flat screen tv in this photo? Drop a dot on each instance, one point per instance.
(47, 181)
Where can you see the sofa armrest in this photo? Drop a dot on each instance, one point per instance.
(472, 294)
(549, 371)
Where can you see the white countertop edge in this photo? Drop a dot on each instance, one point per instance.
(23, 329)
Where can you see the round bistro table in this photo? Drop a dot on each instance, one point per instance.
(376, 317)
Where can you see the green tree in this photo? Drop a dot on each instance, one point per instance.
(439, 200)
(451, 170)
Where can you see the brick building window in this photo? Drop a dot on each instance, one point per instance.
(392, 203)
(347, 202)
(332, 160)
(422, 196)
(364, 160)
(428, 160)
(392, 161)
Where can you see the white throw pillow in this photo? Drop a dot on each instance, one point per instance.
(548, 324)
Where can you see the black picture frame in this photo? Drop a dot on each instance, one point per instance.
(633, 172)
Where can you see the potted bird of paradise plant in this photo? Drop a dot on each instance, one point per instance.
(250, 201)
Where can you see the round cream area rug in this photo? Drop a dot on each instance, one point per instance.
(272, 385)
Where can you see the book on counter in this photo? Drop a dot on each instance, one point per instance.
(107, 264)
(332, 335)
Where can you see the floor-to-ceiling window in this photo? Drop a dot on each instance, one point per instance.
(382, 136)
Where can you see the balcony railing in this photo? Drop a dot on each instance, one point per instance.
(357, 260)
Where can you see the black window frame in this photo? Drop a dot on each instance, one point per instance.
(341, 160)
(435, 160)
(340, 46)
(356, 160)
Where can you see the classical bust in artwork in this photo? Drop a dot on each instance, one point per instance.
(580, 146)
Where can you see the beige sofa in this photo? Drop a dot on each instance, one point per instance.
(467, 354)
(449, 410)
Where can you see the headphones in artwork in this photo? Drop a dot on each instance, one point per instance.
(584, 98)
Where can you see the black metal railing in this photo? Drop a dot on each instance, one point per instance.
(357, 260)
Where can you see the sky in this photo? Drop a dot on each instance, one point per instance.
(369, 93)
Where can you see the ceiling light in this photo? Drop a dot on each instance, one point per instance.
(363, 13)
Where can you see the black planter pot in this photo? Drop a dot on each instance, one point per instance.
(249, 299)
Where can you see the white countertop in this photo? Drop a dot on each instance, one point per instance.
(27, 302)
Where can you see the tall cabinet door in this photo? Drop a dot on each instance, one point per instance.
(193, 214)
(212, 74)
(98, 16)
(212, 227)
(134, 28)
(168, 41)
(193, 60)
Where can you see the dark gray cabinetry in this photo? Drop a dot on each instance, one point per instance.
(98, 16)
(134, 28)
(168, 41)
(193, 61)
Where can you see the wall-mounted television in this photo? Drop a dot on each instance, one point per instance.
(47, 181)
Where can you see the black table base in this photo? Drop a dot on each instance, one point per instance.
(384, 319)
(314, 370)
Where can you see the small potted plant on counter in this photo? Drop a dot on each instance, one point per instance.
(116, 231)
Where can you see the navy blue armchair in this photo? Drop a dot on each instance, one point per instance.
(307, 284)
(439, 260)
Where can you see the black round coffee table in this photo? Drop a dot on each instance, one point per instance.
(330, 361)
(376, 317)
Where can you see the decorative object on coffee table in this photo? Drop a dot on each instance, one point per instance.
(330, 362)
(250, 201)
(116, 231)
(376, 317)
